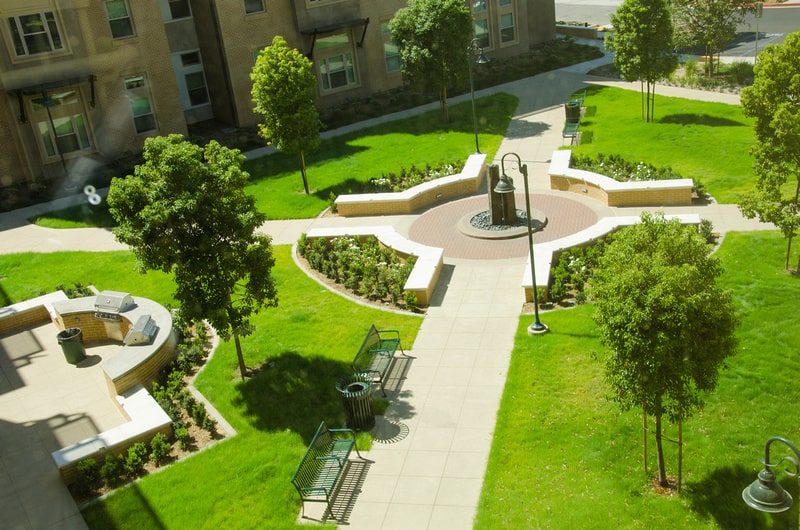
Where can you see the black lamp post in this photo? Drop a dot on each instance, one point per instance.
(481, 59)
(504, 185)
(765, 494)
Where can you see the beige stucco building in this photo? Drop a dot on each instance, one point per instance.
(82, 82)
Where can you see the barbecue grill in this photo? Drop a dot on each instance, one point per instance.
(142, 332)
(109, 304)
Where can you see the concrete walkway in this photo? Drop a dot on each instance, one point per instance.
(426, 468)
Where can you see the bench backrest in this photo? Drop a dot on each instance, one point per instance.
(320, 446)
(371, 342)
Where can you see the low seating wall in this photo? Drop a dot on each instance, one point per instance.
(545, 254)
(672, 192)
(426, 271)
(146, 418)
(126, 370)
(420, 196)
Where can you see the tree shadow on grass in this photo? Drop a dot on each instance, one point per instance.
(700, 119)
(293, 392)
(719, 496)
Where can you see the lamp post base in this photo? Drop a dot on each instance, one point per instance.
(537, 328)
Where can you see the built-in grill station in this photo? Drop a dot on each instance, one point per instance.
(109, 304)
(142, 332)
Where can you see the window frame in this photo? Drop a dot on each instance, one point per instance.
(50, 28)
(344, 53)
(112, 20)
(138, 93)
(247, 10)
(507, 8)
(386, 35)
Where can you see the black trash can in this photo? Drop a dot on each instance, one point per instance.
(573, 111)
(356, 393)
(71, 341)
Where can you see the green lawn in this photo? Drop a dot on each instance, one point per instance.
(563, 452)
(304, 345)
(708, 142)
(344, 163)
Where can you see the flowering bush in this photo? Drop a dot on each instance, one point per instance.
(413, 176)
(365, 268)
(617, 168)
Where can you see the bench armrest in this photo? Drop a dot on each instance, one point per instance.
(396, 332)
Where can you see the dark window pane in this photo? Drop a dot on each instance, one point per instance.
(121, 28)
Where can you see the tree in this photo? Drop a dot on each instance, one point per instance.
(668, 327)
(284, 92)
(433, 37)
(711, 24)
(184, 211)
(774, 101)
(642, 46)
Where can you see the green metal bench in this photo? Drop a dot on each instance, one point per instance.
(319, 472)
(578, 97)
(376, 354)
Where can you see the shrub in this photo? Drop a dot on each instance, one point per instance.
(690, 69)
(159, 448)
(184, 439)
(209, 425)
(88, 475)
(111, 470)
(408, 178)
(135, 459)
(366, 268)
(619, 169)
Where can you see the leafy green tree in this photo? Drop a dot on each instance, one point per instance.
(774, 101)
(642, 46)
(668, 327)
(284, 92)
(184, 211)
(433, 37)
(708, 23)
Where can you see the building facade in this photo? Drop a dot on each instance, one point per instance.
(82, 82)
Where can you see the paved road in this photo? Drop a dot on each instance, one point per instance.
(777, 21)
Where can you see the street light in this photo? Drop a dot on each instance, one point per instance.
(765, 494)
(504, 185)
(759, 14)
(481, 59)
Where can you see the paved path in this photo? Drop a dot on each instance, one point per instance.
(433, 445)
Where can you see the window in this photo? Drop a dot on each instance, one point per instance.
(482, 32)
(507, 33)
(336, 66)
(143, 118)
(506, 16)
(69, 133)
(391, 52)
(34, 34)
(119, 19)
(480, 22)
(253, 6)
(191, 79)
(196, 86)
(175, 9)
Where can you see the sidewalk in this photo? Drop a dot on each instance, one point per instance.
(433, 444)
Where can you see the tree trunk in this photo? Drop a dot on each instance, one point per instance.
(239, 355)
(443, 103)
(662, 472)
(644, 100)
(789, 243)
(644, 438)
(680, 453)
(303, 170)
(242, 367)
